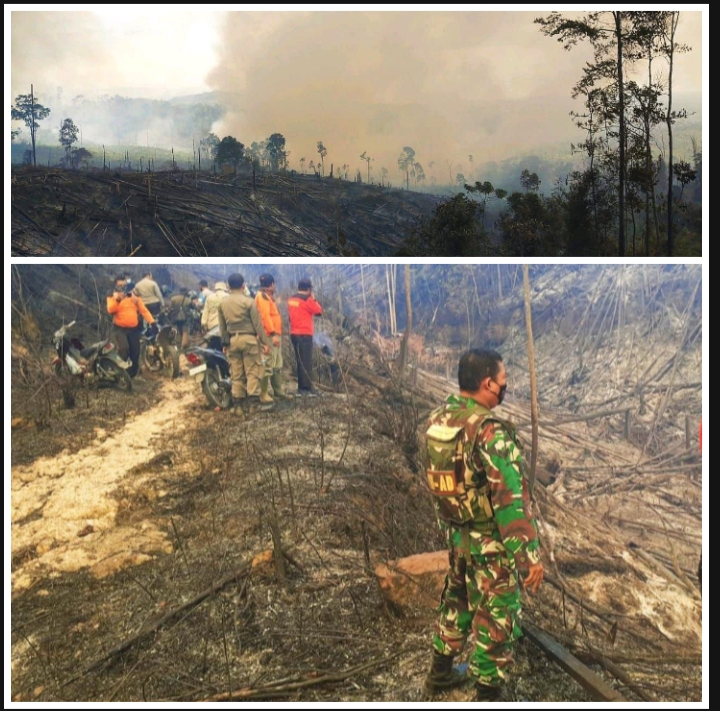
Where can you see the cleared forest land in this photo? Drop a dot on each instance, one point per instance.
(162, 551)
(57, 212)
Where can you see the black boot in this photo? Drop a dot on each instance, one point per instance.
(442, 676)
(483, 692)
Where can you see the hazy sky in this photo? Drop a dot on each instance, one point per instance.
(446, 83)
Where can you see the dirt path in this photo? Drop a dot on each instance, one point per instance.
(64, 508)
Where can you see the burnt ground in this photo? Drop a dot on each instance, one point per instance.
(56, 212)
(144, 509)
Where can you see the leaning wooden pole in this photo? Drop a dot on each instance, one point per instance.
(533, 383)
(588, 679)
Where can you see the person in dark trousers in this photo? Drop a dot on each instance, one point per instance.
(126, 308)
(302, 308)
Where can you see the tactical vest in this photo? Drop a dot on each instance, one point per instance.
(460, 489)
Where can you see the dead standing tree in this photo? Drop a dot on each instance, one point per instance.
(403, 358)
(533, 383)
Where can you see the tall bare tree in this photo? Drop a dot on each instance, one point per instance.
(533, 382)
(27, 110)
(670, 48)
(406, 160)
(367, 159)
(604, 36)
(390, 277)
(404, 346)
(323, 152)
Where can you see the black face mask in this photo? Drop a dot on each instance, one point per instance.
(500, 395)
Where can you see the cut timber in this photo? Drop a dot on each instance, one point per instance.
(415, 580)
(586, 677)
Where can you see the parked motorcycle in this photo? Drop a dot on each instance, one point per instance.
(211, 368)
(100, 361)
(158, 350)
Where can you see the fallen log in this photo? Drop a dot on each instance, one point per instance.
(617, 672)
(587, 678)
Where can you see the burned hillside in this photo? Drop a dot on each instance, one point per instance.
(164, 551)
(56, 212)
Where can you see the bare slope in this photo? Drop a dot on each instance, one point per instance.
(95, 213)
(111, 537)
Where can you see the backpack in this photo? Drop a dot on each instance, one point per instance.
(177, 311)
(460, 490)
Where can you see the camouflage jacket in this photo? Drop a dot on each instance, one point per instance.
(476, 473)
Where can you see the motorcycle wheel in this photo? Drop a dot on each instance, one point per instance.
(172, 361)
(216, 392)
(151, 359)
(110, 372)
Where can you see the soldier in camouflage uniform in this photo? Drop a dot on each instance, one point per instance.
(475, 472)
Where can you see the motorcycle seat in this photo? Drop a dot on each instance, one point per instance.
(91, 350)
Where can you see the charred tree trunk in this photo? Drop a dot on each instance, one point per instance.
(403, 359)
(533, 383)
(362, 281)
(33, 129)
(622, 137)
(669, 118)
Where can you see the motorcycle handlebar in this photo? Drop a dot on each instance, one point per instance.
(61, 331)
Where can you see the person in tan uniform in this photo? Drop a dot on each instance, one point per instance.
(209, 317)
(149, 291)
(243, 336)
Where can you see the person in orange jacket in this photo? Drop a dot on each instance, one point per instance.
(272, 323)
(302, 308)
(126, 308)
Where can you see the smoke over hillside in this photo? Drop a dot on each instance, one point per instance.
(447, 84)
(442, 83)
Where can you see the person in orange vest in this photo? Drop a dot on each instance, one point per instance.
(272, 322)
(302, 308)
(126, 308)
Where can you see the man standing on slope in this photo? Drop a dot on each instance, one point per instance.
(272, 322)
(302, 308)
(209, 318)
(126, 309)
(149, 291)
(242, 332)
(476, 473)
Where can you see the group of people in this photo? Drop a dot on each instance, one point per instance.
(250, 328)
(474, 466)
(251, 331)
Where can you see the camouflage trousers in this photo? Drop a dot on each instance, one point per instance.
(482, 596)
